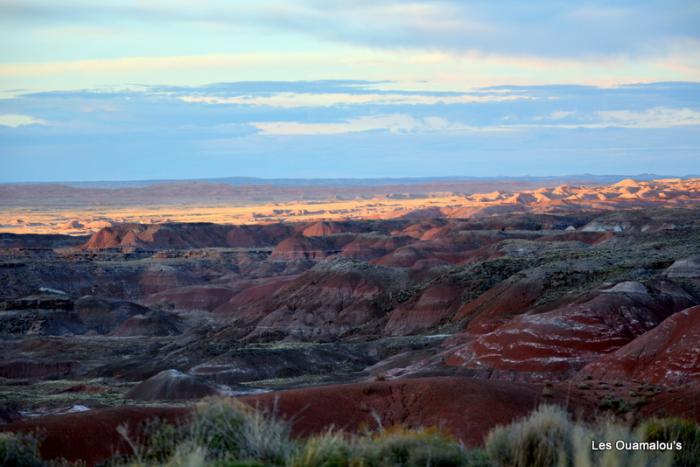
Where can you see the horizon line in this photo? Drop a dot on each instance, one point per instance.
(244, 179)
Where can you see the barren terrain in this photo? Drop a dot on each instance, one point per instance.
(459, 310)
(77, 211)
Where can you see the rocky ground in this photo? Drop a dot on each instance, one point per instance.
(460, 322)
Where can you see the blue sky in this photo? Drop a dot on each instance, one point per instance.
(181, 89)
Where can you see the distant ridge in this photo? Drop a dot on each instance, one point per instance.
(378, 181)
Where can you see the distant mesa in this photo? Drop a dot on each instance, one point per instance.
(627, 183)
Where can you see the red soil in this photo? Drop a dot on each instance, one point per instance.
(92, 436)
(321, 229)
(435, 304)
(467, 408)
(367, 247)
(249, 300)
(301, 247)
(500, 303)
(682, 402)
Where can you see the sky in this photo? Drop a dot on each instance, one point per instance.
(129, 90)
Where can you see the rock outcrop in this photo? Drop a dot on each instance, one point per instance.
(172, 385)
(685, 268)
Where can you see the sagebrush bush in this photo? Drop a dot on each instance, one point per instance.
(222, 432)
(549, 438)
(541, 439)
(189, 454)
(675, 429)
(18, 450)
(329, 449)
(229, 429)
(162, 440)
(611, 431)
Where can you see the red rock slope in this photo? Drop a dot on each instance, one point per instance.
(668, 354)
(563, 340)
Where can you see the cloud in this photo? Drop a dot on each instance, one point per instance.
(561, 114)
(396, 124)
(348, 128)
(17, 120)
(293, 100)
(508, 27)
(429, 71)
(390, 123)
(657, 117)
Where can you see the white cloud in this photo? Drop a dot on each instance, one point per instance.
(17, 120)
(657, 117)
(561, 114)
(293, 100)
(394, 123)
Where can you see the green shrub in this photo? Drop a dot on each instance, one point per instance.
(675, 429)
(399, 446)
(330, 449)
(541, 439)
(614, 404)
(18, 450)
(161, 440)
(222, 432)
(610, 431)
(229, 429)
(549, 438)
